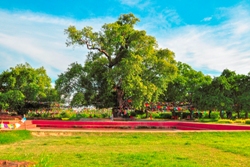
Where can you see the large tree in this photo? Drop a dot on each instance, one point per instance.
(23, 84)
(183, 87)
(239, 91)
(125, 60)
(215, 96)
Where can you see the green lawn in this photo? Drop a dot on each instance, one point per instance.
(133, 149)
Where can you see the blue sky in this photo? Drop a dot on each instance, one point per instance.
(208, 35)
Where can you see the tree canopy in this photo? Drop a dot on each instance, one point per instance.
(121, 60)
(24, 83)
(183, 87)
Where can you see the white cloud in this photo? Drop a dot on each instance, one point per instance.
(158, 21)
(130, 2)
(213, 47)
(40, 40)
(141, 4)
(207, 19)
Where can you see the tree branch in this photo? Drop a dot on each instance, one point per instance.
(96, 48)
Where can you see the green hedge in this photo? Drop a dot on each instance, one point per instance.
(225, 121)
(161, 115)
(247, 121)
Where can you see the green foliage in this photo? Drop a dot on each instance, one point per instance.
(183, 87)
(123, 63)
(205, 114)
(247, 121)
(70, 114)
(7, 137)
(45, 115)
(215, 115)
(225, 121)
(228, 92)
(141, 116)
(165, 115)
(207, 120)
(242, 114)
(239, 121)
(155, 115)
(24, 83)
(161, 115)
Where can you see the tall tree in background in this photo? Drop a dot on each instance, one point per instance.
(24, 83)
(125, 60)
(215, 96)
(239, 92)
(183, 87)
(244, 96)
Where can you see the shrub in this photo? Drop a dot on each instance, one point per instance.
(247, 121)
(239, 121)
(45, 115)
(155, 115)
(165, 115)
(63, 115)
(207, 120)
(205, 114)
(104, 115)
(83, 115)
(242, 114)
(132, 113)
(141, 116)
(215, 115)
(225, 121)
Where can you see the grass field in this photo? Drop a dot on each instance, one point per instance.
(130, 149)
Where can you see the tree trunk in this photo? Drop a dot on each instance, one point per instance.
(191, 112)
(120, 93)
(209, 114)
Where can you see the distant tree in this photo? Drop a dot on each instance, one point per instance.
(215, 96)
(122, 60)
(241, 93)
(183, 87)
(24, 83)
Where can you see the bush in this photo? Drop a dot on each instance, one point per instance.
(242, 114)
(45, 115)
(247, 121)
(132, 113)
(104, 115)
(239, 121)
(141, 116)
(207, 120)
(63, 115)
(205, 114)
(155, 115)
(83, 115)
(225, 121)
(165, 115)
(215, 115)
